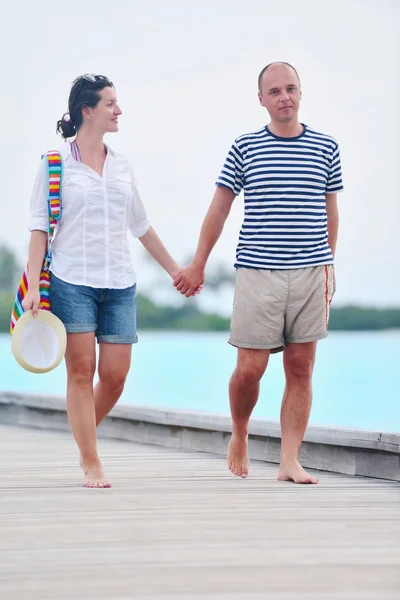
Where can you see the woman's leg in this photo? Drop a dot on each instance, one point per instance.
(114, 364)
(80, 358)
(116, 332)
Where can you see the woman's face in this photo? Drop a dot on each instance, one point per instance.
(104, 116)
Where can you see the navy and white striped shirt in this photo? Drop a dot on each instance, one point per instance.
(285, 181)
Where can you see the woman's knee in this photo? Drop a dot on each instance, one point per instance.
(80, 357)
(81, 371)
(113, 378)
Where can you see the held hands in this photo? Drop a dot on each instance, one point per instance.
(31, 301)
(189, 281)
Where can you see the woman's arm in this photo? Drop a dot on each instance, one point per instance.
(37, 251)
(38, 225)
(158, 251)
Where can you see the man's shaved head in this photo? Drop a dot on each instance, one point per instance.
(273, 64)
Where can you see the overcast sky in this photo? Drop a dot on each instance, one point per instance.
(186, 78)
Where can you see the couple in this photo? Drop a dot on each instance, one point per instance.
(290, 175)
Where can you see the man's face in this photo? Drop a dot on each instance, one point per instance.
(280, 93)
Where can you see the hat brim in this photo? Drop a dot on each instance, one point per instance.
(48, 331)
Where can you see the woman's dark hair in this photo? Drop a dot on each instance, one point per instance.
(84, 92)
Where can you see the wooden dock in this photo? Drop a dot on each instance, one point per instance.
(178, 526)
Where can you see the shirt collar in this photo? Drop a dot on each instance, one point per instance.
(65, 150)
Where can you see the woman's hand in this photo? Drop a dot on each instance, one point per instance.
(178, 279)
(32, 301)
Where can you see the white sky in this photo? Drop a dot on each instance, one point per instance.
(186, 78)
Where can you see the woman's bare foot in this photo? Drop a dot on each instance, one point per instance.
(94, 476)
(293, 471)
(238, 458)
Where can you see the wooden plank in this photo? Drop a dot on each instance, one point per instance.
(177, 525)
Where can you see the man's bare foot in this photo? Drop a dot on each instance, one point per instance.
(94, 476)
(293, 471)
(238, 458)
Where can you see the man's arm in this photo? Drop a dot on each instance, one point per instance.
(333, 220)
(193, 275)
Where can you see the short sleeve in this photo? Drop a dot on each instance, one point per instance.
(138, 222)
(335, 182)
(39, 218)
(231, 175)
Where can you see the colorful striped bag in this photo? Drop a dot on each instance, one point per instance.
(54, 179)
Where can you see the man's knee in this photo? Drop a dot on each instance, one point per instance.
(251, 365)
(299, 361)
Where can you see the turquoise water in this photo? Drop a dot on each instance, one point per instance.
(356, 377)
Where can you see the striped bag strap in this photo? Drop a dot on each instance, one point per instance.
(54, 180)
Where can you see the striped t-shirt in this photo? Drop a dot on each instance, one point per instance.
(284, 181)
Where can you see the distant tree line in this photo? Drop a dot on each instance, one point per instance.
(358, 318)
(188, 316)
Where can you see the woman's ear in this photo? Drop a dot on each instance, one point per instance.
(86, 111)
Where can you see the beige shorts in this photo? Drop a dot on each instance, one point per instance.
(274, 308)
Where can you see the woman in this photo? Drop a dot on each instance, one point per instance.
(93, 284)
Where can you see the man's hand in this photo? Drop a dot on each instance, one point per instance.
(31, 301)
(190, 280)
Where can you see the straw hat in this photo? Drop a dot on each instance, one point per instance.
(38, 343)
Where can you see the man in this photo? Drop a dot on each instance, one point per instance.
(285, 281)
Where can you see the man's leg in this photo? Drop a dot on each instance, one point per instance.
(244, 388)
(298, 362)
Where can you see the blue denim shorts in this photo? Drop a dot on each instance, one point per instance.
(110, 313)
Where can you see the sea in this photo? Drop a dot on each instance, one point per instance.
(356, 381)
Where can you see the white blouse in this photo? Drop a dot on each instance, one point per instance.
(90, 246)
